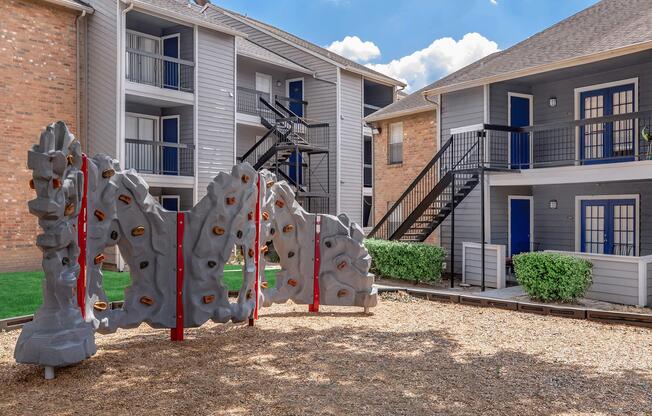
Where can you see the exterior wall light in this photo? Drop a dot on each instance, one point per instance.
(552, 102)
(552, 204)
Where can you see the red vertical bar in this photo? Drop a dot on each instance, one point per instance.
(257, 247)
(176, 333)
(81, 240)
(315, 294)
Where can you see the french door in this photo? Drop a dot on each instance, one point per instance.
(613, 141)
(608, 226)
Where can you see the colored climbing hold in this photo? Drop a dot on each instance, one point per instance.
(290, 254)
(265, 215)
(288, 228)
(138, 231)
(108, 173)
(280, 203)
(212, 264)
(70, 159)
(146, 300)
(292, 282)
(98, 259)
(114, 235)
(230, 200)
(239, 234)
(208, 299)
(100, 306)
(251, 252)
(270, 184)
(56, 183)
(250, 216)
(70, 209)
(125, 198)
(264, 249)
(264, 285)
(245, 178)
(99, 215)
(341, 293)
(218, 230)
(143, 264)
(342, 265)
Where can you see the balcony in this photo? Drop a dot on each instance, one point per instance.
(159, 71)
(160, 158)
(249, 101)
(600, 140)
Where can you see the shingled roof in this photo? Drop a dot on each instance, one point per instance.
(412, 104)
(600, 31)
(344, 62)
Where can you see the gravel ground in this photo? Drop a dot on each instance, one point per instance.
(409, 357)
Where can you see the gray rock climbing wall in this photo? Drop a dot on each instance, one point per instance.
(122, 212)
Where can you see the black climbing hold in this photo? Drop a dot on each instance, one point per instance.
(239, 234)
(65, 261)
(272, 231)
(291, 254)
(144, 264)
(114, 235)
(328, 244)
(211, 264)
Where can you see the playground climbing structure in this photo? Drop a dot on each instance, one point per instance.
(176, 259)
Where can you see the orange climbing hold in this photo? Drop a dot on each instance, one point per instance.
(342, 265)
(230, 200)
(56, 183)
(218, 230)
(146, 300)
(138, 231)
(125, 198)
(292, 282)
(265, 215)
(99, 215)
(208, 299)
(98, 259)
(288, 228)
(100, 306)
(108, 173)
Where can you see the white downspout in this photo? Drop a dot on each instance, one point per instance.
(77, 82)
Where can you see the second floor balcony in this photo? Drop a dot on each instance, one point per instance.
(159, 71)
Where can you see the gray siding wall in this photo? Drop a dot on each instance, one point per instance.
(554, 229)
(499, 102)
(246, 138)
(320, 92)
(473, 263)
(614, 282)
(499, 211)
(247, 76)
(351, 146)
(459, 109)
(103, 78)
(649, 284)
(216, 106)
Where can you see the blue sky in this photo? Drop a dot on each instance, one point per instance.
(391, 30)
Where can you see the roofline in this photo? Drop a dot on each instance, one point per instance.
(402, 113)
(294, 67)
(70, 4)
(566, 63)
(379, 78)
(142, 5)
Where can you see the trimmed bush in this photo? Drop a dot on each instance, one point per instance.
(553, 277)
(418, 262)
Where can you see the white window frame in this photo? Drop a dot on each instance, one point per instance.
(509, 220)
(390, 142)
(157, 127)
(580, 90)
(177, 197)
(529, 97)
(271, 83)
(578, 219)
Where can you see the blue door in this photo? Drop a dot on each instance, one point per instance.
(171, 69)
(295, 158)
(171, 203)
(519, 226)
(607, 142)
(608, 226)
(519, 142)
(170, 155)
(295, 93)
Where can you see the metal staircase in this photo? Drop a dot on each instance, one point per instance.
(441, 186)
(287, 135)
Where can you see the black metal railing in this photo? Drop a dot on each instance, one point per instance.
(296, 106)
(159, 71)
(249, 101)
(160, 158)
(609, 139)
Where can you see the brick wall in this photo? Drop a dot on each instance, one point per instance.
(419, 147)
(37, 86)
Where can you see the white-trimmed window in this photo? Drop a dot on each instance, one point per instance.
(395, 143)
(608, 224)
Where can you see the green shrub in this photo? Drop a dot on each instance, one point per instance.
(552, 277)
(409, 261)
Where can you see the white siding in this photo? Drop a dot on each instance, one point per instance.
(216, 106)
(351, 146)
(103, 78)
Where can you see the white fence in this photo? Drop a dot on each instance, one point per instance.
(494, 264)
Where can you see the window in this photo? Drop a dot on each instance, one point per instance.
(367, 205)
(608, 226)
(140, 133)
(264, 85)
(368, 161)
(395, 146)
(612, 141)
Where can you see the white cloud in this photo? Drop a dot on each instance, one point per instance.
(494, 2)
(440, 58)
(356, 49)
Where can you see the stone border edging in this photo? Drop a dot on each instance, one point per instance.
(573, 312)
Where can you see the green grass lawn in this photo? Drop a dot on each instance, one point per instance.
(21, 293)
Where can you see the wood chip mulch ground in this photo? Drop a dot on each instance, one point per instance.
(410, 357)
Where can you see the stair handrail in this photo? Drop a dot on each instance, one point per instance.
(422, 174)
(257, 144)
(416, 180)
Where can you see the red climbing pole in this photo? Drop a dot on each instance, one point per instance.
(257, 247)
(176, 333)
(82, 219)
(314, 307)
